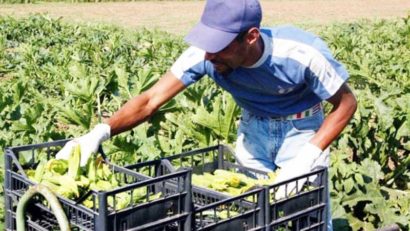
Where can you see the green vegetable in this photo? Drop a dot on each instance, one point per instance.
(230, 182)
(91, 169)
(74, 163)
(69, 180)
(52, 201)
(57, 166)
(38, 175)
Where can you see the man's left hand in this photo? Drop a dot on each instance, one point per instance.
(301, 164)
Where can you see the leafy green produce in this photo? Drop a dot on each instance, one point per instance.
(74, 170)
(69, 180)
(229, 182)
(57, 166)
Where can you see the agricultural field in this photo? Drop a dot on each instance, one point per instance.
(58, 79)
(181, 15)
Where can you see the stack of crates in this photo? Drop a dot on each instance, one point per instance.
(171, 211)
(302, 210)
(182, 206)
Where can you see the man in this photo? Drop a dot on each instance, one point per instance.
(278, 76)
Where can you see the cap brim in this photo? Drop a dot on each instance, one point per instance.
(209, 39)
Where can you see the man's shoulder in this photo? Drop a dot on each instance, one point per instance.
(283, 28)
(192, 59)
(191, 56)
(193, 51)
(289, 32)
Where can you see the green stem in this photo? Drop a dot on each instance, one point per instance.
(53, 202)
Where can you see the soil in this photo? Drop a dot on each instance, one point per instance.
(179, 16)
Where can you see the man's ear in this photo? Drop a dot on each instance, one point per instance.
(253, 35)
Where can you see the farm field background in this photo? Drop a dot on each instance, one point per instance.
(178, 17)
(59, 77)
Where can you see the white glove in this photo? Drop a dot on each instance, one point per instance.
(89, 143)
(301, 164)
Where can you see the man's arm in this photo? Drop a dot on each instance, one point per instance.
(344, 106)
(134, 112)
(141, 107)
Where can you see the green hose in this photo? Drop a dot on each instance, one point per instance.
(53, 202)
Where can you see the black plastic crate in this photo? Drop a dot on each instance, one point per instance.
(298, 210)
(303, 210)
(243, 212)
(208, 160)
(171, 211)
(247, 209)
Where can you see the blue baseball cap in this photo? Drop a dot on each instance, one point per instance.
(222, 21)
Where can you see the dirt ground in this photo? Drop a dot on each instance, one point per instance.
(179, 16)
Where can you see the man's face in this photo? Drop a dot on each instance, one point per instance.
(228, 59)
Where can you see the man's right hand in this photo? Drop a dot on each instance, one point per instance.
(88, 143)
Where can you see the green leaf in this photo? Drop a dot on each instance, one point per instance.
(221, 119)
(337, 209)
(19, 90)
(85, 89)
(356, 197)
(385, 213)
(349, 185)
(123, 80)
(371, 169)
(76, 116)
(356, 224)
(77, 70)
(359, 179)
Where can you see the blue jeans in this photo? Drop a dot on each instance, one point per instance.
(265, 143)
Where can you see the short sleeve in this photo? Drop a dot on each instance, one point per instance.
(324, 74)
(190, 66)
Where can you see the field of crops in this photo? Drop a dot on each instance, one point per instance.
(58, 80)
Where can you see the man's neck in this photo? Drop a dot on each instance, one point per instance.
(255, 52)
